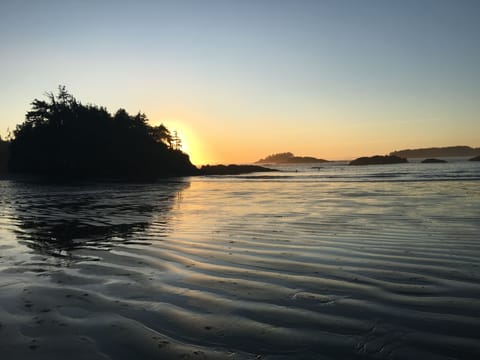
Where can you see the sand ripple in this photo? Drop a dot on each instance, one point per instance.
(250, 269)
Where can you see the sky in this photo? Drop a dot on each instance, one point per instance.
(240, 80)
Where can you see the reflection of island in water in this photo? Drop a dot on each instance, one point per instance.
(55, 220)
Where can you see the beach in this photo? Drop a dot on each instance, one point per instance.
(327, 263)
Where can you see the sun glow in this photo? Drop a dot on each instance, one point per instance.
(191, 144)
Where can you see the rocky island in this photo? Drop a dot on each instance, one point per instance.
(289, 158)
(378, 160)
(61, 138)
(448, 151)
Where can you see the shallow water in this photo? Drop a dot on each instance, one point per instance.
(307, 264)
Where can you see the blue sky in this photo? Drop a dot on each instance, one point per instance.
(242, 79)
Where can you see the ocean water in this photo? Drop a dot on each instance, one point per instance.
(321, 261)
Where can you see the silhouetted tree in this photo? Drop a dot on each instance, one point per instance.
(280, 157)
(62, 137)
(176, 141)
(161, 134)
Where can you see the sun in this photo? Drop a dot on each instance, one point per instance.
(184, 141)
(191, 144)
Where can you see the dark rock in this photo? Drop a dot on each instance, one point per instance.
(378, 160)
(434, 161)
(476, 158)
(232, 169)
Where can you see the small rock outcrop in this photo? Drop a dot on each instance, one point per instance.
(378, 160)
(434, 161)
(232, 169)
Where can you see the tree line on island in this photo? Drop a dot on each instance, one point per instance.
(433, 152)
(398, 157)
(63, 138)
(289, 158)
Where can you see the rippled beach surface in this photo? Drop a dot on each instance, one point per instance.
(327, 263)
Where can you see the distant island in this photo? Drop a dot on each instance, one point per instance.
(289, 158)
(476, 158)
(449, 151)
(378, 160)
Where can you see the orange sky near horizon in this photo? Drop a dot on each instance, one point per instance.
(215, 135)
(207, 144)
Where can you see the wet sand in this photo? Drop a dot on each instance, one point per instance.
(240, 269)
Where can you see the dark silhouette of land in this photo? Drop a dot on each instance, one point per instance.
(62, 138)
(434, 161)
(289, 158)
(378, 160)
(476, 158)
(232, 169)
(449, 151)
